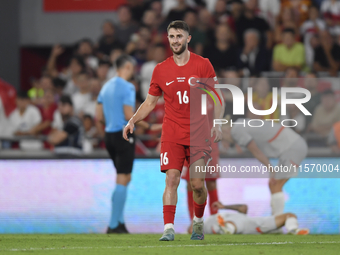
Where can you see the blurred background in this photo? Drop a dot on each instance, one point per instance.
(54, 47)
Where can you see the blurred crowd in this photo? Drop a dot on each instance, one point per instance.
(244, 40)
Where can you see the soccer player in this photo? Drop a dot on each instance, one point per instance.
(210, 178)
(115, 105)
(181, 139)
(240, 223)
(270, 141)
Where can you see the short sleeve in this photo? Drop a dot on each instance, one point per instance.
(240, 136)
(210, 72)
(130, 96)
(155, 89)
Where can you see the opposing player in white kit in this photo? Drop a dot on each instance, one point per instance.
(271, 141)
(240, 223)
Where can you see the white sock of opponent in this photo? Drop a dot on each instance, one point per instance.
(291, 224)
(277, 203)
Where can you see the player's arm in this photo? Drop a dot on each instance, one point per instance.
(218, 114)
(257, 153)
(146, 107)
(241, 208)
(128, 113)
(100, 119)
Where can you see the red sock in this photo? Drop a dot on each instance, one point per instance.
(213, 197)
(191, 204)
(199, 209)
(169, 213)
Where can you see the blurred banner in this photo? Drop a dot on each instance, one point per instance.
(81, 5)
(73, 196)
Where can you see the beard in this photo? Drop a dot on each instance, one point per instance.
(180, 51)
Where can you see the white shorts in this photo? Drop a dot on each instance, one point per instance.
(258, 225)
(291, 159)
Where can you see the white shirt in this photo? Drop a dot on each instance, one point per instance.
(308, 30)
(25, 122)
(146, 75)
(4, 127)
(57, 120)
(80, 101)
(90, 108)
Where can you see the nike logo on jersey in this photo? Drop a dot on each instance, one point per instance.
(168, 83)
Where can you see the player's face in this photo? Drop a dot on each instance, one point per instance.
(178, 40)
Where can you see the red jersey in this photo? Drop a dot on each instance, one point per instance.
(182, 103)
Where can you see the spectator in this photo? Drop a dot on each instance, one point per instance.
(222, 54)
(334, 138)
(253, 59)
(147, 68)
(249, 19)
(311, 83)
(326, 114)
(205, 25)
(47, 110)
(23, 119)
(90, 133)
(81, 98)
(108, 41)
(179, 11)
(286, 20)
(330, 10)
(126, 27)
(95, 87)
(58, 87)
(230, 77)
(221, 15)
(327, 56)
(310, 28)
(294, 113)
(7, 106)
(198, 39)
(103, 70)
(289, 53)
(113, 57)
(85, 50)
(263, 98)
(269, 10)
(150, 21)
(299, 7)
(75, 67)
(69, 140)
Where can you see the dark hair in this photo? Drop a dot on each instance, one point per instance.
(288, 30)
(87, 116)
(123, 59)
(104, 62)
(328, 92)
(66, 99)
(80, 61)
(59, 83)
(22, 95)
(179, 24)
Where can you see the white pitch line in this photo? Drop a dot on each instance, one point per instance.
(169, 246)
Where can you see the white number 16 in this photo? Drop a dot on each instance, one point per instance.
(185, 97)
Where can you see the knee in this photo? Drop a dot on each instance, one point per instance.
(197, 185)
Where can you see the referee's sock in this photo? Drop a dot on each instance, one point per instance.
(118, 202)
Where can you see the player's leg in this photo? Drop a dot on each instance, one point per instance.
(199, 197)
(172, 159)
(123, 157)
(289, 220)
(213, 196)
(277, 196)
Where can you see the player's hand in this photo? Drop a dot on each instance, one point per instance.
(218, 133)
(217, 205)
(156, 127)
(128, 129)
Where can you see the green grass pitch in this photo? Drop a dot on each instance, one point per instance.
(149, 244)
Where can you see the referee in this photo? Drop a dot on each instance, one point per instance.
(115, 106)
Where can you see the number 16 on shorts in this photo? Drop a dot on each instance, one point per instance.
(164, 159)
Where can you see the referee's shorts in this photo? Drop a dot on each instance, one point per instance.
(122, 152)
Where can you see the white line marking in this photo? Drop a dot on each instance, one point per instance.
(169, 246)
